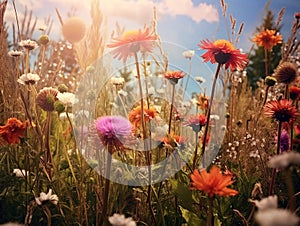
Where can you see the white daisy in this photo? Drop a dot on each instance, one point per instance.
(66, 98)
(120, 220)
(47, 197)
(28, 78)
(28, 44)
(188, 54)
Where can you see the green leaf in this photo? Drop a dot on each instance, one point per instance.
(183, 193)
(191, 218)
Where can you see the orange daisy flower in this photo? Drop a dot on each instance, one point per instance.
(174, 76)
(213, 182)
(174, 140)
(13, 130)
(131, 42)
(268, 39)
(282, 110)
(223, 52)
(135, 115)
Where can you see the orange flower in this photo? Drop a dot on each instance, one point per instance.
(132, 42)
(203, 102)
(223, 52)
(281, 110)
(268, 39)
(13, 130)
(173, 76)
(135, 115)
(173, 140)
(213, 183)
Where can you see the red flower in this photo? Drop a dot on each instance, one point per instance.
(281, 110)
(223, 52)
(294, 92)
(213, 182)
(268, 39)
(132, 42)
(174, 76)
(196, 122)
(13, 130)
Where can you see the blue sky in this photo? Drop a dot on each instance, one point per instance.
(181, 23)
(184, 22)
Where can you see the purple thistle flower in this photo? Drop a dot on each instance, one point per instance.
(112, 130)
(284, 141)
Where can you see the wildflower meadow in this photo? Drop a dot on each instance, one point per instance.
(101, 128)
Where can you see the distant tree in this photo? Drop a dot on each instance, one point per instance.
(256, 66)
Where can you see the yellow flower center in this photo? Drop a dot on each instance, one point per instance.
(129, 34)
(222, 42)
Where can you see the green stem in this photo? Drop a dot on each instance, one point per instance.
(106, 188)
(266, 62)
(48, 156)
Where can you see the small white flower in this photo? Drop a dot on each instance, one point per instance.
(15, 53)
(122, 93)
(28, 78)
(188, 54)
(194, 101)
(284, 160)
(151, 90)
(20, 173)
(63, 116)
(276, 217)
(200, 79)
(117, 81)
(47, 197)
(267, 203)
(215, 117)
(120, 220)
(66, 98)
(28, 44)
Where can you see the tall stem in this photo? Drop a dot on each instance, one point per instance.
(171, 110)
(271, 190)
(209, 110)
(188, 76)
(147, 153)
(48, 156)
(196, 150)
(210, 218)
(266, 63)
(106, 188)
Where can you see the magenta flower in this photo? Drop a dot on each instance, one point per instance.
(113, 131)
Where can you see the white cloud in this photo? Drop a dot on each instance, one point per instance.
(198, 13)
(140, 11)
